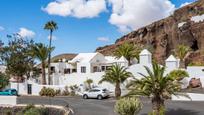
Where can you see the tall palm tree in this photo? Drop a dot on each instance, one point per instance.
(51, 26)
(129, 51)
(41, 52)
(181, 52)
(156, 85)
(116, 75)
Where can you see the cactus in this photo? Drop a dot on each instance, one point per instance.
(128, 106)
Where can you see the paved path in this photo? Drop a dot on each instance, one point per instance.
(105, 107)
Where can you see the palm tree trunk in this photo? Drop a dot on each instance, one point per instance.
(182, 63)
(157, 105)
(49, 57)
(117, 90)
(43, 74)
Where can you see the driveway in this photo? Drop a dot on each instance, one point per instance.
(105, 107)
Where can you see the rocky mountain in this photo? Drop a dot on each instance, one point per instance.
(184, 26)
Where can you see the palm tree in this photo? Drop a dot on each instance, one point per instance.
(51, 26)
(41, 52)
(129, 51)
(116, 75)
(181, 52)
(156, 85)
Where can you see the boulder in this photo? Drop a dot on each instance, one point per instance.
(195, 83)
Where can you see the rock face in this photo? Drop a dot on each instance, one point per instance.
(185, 26)
(195, 83)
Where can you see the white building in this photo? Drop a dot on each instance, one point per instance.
(93, 66)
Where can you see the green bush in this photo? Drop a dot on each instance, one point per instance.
(58, 92)
(73, 90)
(66, 91)
(47, 92)
(32, 111)
(128, 106)
(29, 106)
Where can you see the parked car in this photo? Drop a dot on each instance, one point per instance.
(98, 93)
(9, 92)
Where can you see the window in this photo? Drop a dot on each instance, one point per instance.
(83, 69)
(52, 69)
(103, 68)
(95, 69)
(66, 71)
(74, 70)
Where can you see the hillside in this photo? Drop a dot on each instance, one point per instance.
(184, 26)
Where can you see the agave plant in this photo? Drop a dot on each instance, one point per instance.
(128, 106)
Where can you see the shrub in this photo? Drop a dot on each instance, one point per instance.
(47, 92)
(66, 91)
(73, 89)
(32, 111)
(89, 82)
(128, 106)
(29, 106)
(58, 92)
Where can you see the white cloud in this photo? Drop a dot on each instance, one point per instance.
(103, 39)
(133, 14)
(76, 8)
(184, 4)
(1, 28)
(53, 37)
(26, 33)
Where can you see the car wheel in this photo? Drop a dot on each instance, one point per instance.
(85, 96)
(99, 97)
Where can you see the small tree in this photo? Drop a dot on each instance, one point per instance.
(41, 52)
(116, 75)
(89, 82)
(128, 106)
(4, 81)
(181, 52)
(156, 85)
(15, 56)
(129, 51)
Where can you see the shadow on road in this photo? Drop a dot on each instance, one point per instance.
(180, 111)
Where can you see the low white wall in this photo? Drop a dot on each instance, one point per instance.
(8, 100)
(37, 88)
(79, 79)
(20, 87)
(193, 97)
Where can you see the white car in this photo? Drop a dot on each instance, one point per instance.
(98, 93)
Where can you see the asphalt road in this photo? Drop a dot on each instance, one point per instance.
(105, 107)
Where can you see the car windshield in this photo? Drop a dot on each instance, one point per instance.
(105, 90)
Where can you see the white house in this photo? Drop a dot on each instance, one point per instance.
(93, 66)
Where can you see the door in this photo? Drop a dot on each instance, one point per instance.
(29, 89)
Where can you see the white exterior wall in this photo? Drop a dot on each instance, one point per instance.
(79, 79)
(87, 65)
(195, 72)
(138, 68)
(20, 87)
(171, 65)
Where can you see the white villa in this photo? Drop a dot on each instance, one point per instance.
(93, 66)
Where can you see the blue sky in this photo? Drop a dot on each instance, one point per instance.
(75, 34)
